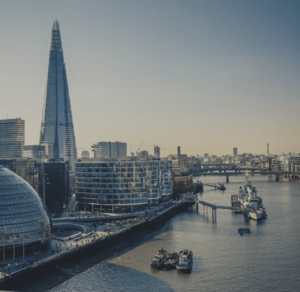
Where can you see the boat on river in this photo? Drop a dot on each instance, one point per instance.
(171, 260)
(185, 262)
(250, 203)
(158, 260)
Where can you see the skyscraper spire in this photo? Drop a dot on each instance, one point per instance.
(57, 124)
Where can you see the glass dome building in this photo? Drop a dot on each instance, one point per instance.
(24, 219)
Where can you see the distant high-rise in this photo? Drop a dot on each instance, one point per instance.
(178, 150)
(156, 151)
(12, 138)
(268, 149)
(57, 123)
(234, 151)
(109, 149)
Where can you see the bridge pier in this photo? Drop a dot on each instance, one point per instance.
(227, 178)
(214, 215)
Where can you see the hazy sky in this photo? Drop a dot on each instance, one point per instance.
(205, 75)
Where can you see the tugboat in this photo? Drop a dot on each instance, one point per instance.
(158, 260)
(185, 262)
(171, 260)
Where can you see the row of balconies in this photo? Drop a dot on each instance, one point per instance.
(113, 202)
(114, 196)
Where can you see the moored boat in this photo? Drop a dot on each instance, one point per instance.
(257, 214)
(158, 260)
(185, 262)
(171, 260)
(250, 203)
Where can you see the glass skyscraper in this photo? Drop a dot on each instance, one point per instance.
(57, 124)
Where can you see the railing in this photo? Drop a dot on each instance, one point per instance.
(213, 206)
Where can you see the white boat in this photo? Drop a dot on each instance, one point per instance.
(257, 214)
(250, 203)
(185, 262)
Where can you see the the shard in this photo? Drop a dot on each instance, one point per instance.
(57, 124)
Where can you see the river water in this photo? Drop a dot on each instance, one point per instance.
(267, 259)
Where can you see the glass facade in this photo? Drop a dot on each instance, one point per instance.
(23, 216)
(57, 123)
(12, 138)
(124, 185)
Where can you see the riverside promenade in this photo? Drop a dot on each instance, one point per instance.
(64, 249)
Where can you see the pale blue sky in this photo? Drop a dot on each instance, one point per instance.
(206, 75)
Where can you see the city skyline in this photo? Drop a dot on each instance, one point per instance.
(202, 75)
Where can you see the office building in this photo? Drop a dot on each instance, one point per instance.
(12, 138)
(122, 185)
(156, 151)
(25, 225)
(178, 150)
(57, 123)
(235, 152)
(35, 151)
(109, 149)
(57, 186)
(27, 169)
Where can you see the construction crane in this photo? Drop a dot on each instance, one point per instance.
(140, 146)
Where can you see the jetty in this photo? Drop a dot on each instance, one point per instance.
(217, 186)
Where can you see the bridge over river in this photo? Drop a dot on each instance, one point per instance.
(243, 171)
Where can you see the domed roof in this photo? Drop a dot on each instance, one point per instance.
(23, 215)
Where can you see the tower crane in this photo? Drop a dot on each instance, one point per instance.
(140, 146)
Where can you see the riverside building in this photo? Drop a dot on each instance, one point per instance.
(122, 185)
(25, 227)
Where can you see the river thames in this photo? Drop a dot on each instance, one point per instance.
(267, 259)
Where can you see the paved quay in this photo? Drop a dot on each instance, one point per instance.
(87, 235)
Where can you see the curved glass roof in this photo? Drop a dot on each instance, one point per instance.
(23, 215)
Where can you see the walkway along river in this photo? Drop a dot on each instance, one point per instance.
(126, 236)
